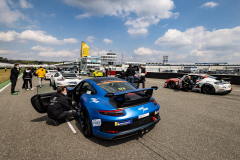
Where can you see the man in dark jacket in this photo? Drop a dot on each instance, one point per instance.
(123, 74)
(59, 107)
(141, 76)
(27, 76)
(130, 73)
(13, 78)
(189, 82)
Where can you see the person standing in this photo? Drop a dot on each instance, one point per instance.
(41, 74)
(23, 86)
(5, 69)
(13, 78)
(104, 71)
(110, 72)
(130, 73)
(123, 74)
(142, 72)
(27, 76)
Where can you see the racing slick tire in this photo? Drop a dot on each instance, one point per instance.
(229, 91)
(172, 85)
(85, 123)
(207, 89)
(50, 83)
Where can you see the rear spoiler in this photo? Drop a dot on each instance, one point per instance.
(125, 98)
(131, 91)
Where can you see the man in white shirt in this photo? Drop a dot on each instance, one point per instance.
(141, 75)
(104, 71)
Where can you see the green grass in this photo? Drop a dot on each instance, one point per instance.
(4, 76)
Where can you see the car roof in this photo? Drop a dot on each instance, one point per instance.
(101, 79)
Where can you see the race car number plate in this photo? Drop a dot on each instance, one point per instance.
(72, 83)
(143, 115)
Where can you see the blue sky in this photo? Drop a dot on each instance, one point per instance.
(143, 31)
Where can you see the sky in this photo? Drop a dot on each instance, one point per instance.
(186, 31)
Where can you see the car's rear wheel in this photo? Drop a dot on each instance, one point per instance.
(85, 123)
(171, 85)
(50, 83)
(207, 89)
(230, 91)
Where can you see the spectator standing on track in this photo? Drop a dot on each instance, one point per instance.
(190, 83)
(130, 73)
(104, 71)
(59, 108)
(13, 78)
(5, 69)
(110, 70)
(27, 76)
(23, 86)
(41, 74)
(142, 78)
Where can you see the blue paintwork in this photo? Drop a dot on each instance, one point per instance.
(102, 103)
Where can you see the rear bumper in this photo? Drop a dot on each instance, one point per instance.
(128, 133)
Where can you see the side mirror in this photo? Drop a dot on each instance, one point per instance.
(109, 95)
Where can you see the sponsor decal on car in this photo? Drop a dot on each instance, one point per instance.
(156, 111)
(96, 122)
(123, 123)
(142, 108)
(143, 115)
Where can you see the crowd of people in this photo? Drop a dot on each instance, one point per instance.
(27, 77)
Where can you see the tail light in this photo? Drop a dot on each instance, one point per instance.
(112, 131)
(154, 102)
(118, 112)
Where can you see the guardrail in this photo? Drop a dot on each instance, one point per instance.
(234, 79)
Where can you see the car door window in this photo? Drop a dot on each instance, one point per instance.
(87, 88)
(56, 75)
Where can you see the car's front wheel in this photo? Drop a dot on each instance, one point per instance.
(85, 122)
(54, 86)
(207, 89)
(172, 85)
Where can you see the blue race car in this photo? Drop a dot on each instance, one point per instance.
(109, 107)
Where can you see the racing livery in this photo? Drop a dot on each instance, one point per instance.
(49, 73)
(201, 83)
(64, 78)
(109, 107)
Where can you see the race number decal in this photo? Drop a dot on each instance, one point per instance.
(96, 122)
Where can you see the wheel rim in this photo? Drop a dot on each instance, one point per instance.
(84, 121)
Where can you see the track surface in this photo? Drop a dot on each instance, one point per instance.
(193, 126)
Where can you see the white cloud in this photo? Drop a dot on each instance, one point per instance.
(147, 51)
(210, 4)
(32, 26)
(145, 12)
(8, 36)
(36, 36)
(221, 45)
(24, 4)
(90, 39)
(3, 52)
(40, 48)
(62, 53)
(8, 16)
(107, 41)
(76, 50)
(85, 15)
(199, 38)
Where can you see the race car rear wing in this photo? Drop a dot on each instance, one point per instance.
(129, 97)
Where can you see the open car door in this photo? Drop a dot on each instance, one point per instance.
(40, 102)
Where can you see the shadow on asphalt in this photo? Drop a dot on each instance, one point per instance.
(49, 121)
(109, 143)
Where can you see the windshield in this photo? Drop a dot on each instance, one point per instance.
(52, 72)
(212, 77)
(116, 86)
(66, 72)
(69, 75)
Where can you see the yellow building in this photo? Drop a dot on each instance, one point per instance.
(84, 49)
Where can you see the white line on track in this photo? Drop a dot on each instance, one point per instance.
(235, 90)
(7, 85)
(70, 125)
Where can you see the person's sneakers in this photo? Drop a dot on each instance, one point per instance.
(55, 122)
(40, 86)
(27, 89)
(15, 93)
(31, 89)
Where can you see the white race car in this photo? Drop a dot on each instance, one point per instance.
(65, 78)
(201, 83)
(49, 73)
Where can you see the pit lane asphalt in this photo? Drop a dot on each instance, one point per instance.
(193, 126)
